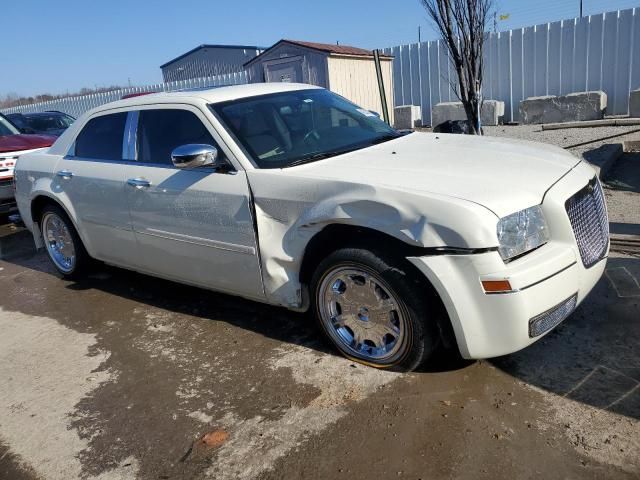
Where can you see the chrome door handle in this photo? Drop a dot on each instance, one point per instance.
(139, 182)
(66, 174)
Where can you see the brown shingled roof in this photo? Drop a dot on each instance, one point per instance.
(327, 47)
(323, 47)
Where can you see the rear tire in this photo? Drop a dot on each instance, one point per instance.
(374, 309)
(62, 243)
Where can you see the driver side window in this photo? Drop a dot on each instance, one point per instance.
(161, 131)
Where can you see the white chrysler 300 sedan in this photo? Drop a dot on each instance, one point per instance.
(291, 195)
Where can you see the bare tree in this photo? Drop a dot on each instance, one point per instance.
(461, 24)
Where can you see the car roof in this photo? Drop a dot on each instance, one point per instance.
(209, 95)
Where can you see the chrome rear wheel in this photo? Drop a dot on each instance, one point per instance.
(59, 242)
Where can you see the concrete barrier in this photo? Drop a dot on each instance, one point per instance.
(491, 113)
(574, 107)
(407, 116)
(634, 103)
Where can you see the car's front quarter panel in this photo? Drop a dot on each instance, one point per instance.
(292, 208)
(488, 325)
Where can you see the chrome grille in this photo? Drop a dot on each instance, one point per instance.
(552, 317)
(588, 216)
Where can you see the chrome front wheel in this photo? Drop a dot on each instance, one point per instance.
(59, 242)
(375, 308)
(361, 313)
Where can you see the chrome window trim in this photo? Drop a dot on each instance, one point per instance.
(129, 144)
(124, 162)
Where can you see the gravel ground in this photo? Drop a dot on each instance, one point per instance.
(566, 137)
(622, 185)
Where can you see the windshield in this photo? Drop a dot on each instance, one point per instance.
(6, 128)
(43, 122)
(288, 128)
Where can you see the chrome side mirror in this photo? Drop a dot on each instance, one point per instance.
(195, 155)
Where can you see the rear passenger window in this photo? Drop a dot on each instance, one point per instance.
(161, 131)
(101, 137)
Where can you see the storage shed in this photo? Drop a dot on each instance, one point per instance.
(348, 71)
(208, 60)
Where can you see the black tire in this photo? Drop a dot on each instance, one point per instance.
(82, 259)
(422, 335)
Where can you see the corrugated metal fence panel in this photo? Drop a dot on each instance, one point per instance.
(517, 72)
(425, 86)
(623, 58)
(594, 54)
(600, 52)
(635, 52)
(567, 56)
(554, 58)
(504, 69)
(434, 73)
(76, 106)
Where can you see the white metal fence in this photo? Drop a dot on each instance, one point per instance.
(76, 106)
(599, 52)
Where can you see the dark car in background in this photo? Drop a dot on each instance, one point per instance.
(42, 123)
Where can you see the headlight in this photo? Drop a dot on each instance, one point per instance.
(522, 231)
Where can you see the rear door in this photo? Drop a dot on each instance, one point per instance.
(92, 178)
(194, 226)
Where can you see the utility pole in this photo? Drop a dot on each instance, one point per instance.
(419, 39)
(580, 8)
(495, 22)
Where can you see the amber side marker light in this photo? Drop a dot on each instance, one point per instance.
(496, 286)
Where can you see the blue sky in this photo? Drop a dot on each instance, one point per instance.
(54, 47)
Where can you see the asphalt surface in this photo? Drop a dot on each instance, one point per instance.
(120, 375)
(123, 376)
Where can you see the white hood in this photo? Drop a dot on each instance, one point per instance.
(504, 175)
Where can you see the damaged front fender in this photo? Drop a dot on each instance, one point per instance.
(291, 209)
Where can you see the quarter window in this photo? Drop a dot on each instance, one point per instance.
(161, 131)
(101, 137)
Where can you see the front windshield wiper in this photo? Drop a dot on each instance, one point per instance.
(333, 153)
(385, 138)
(321, 155)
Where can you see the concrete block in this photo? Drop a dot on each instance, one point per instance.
(407, 116)
(574, 107)
(634, 103)
(444, 111)
(491, 113)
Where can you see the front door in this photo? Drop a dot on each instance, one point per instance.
(194, 226)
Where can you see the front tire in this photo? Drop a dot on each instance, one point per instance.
(64, 247)
(374, 309)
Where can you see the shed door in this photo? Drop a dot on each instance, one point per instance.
(284, 71)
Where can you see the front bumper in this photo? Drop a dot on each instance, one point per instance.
(489, 325)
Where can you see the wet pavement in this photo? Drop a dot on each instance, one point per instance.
(120, 375)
